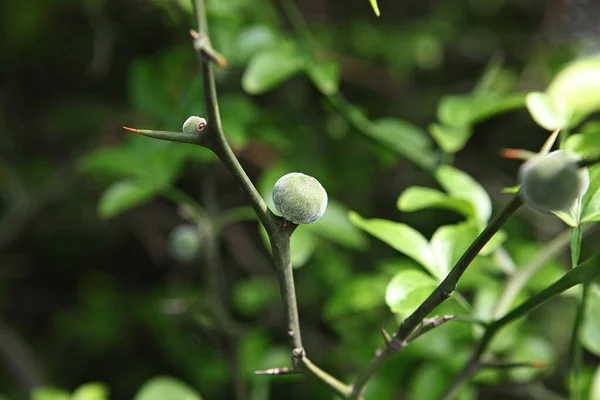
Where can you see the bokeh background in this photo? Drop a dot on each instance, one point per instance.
(85, 298)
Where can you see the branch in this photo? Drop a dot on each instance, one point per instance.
(581, 274)
(439, 295)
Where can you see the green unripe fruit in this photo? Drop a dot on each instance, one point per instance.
(554, 181)
(193, 125)
(299, 198)
(184, 243)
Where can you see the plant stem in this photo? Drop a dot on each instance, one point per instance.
(576, 349)
(582, 274)
(438, 296)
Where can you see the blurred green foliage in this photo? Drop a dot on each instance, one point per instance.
(89, 291)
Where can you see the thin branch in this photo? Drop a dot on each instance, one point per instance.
(581, 274)
(438, 296)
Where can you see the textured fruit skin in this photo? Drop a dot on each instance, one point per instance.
(299, 198)
(184, 243)
(190, 126)
(553, 182)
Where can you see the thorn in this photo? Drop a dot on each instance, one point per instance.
(386, 336)
(134, 130)
(517, 154)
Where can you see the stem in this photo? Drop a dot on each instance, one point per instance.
(340, 388)
(220, 145)
(438, 296)
(576, 349)
(582, 274)
(280, 245)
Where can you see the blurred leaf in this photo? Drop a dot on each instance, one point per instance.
(545, 111)
(450, 138)
(361, 293)
(254, 39)
(404, 138)
(586, 143)
(166, 388)
(123, 195)
(448, 244)
(325, 76)
(375, 7)
(407, 290)
(49, 393)
(401, 237)
(590, 331)
(428, 382)
(595, 389)
(335, 226)
(530, 348)
(250, 296)
(417, 198)
(459, 185)
(590, 203)
(118, 162)
(577, 86)
(91, 391)
(269, 68)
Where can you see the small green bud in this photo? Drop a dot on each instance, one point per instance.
(299, 198)
(184, 243)
(552, 182)
(193, 125)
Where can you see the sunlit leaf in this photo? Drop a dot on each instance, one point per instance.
(325, 76)
(91, 391)
(459, 185)
(546, 111)
(449, 243)
(577, 86)
(417, 198)
(590, 203)
(590, 330)
(407, 290)
(49, 393)
(166, 388)
(361, 293)
(450, 138)
(375, 7)
(401, 237)
(595, 389)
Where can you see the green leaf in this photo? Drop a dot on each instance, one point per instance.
(448, 244)
(49, 393)
(407, 290)
(362, 293)
(459, 185)
(375, 7)
(546, 111)
(401, 237)
(586, 143)
(590, 330)
(118, 162)
(91, 391)
(166, 388)
(251, 296)
(123, 195)
(590, 203)
(269, 68)
(404, 138)
(450, 138)
(335, 226)
(530, 348)
(595, 389)
(578, 87)
(418, 197)
(325, 76)
(429, 382)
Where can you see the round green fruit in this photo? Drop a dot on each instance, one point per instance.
(552, 182)
(184, 243)
(193, 125)
(299, 198)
